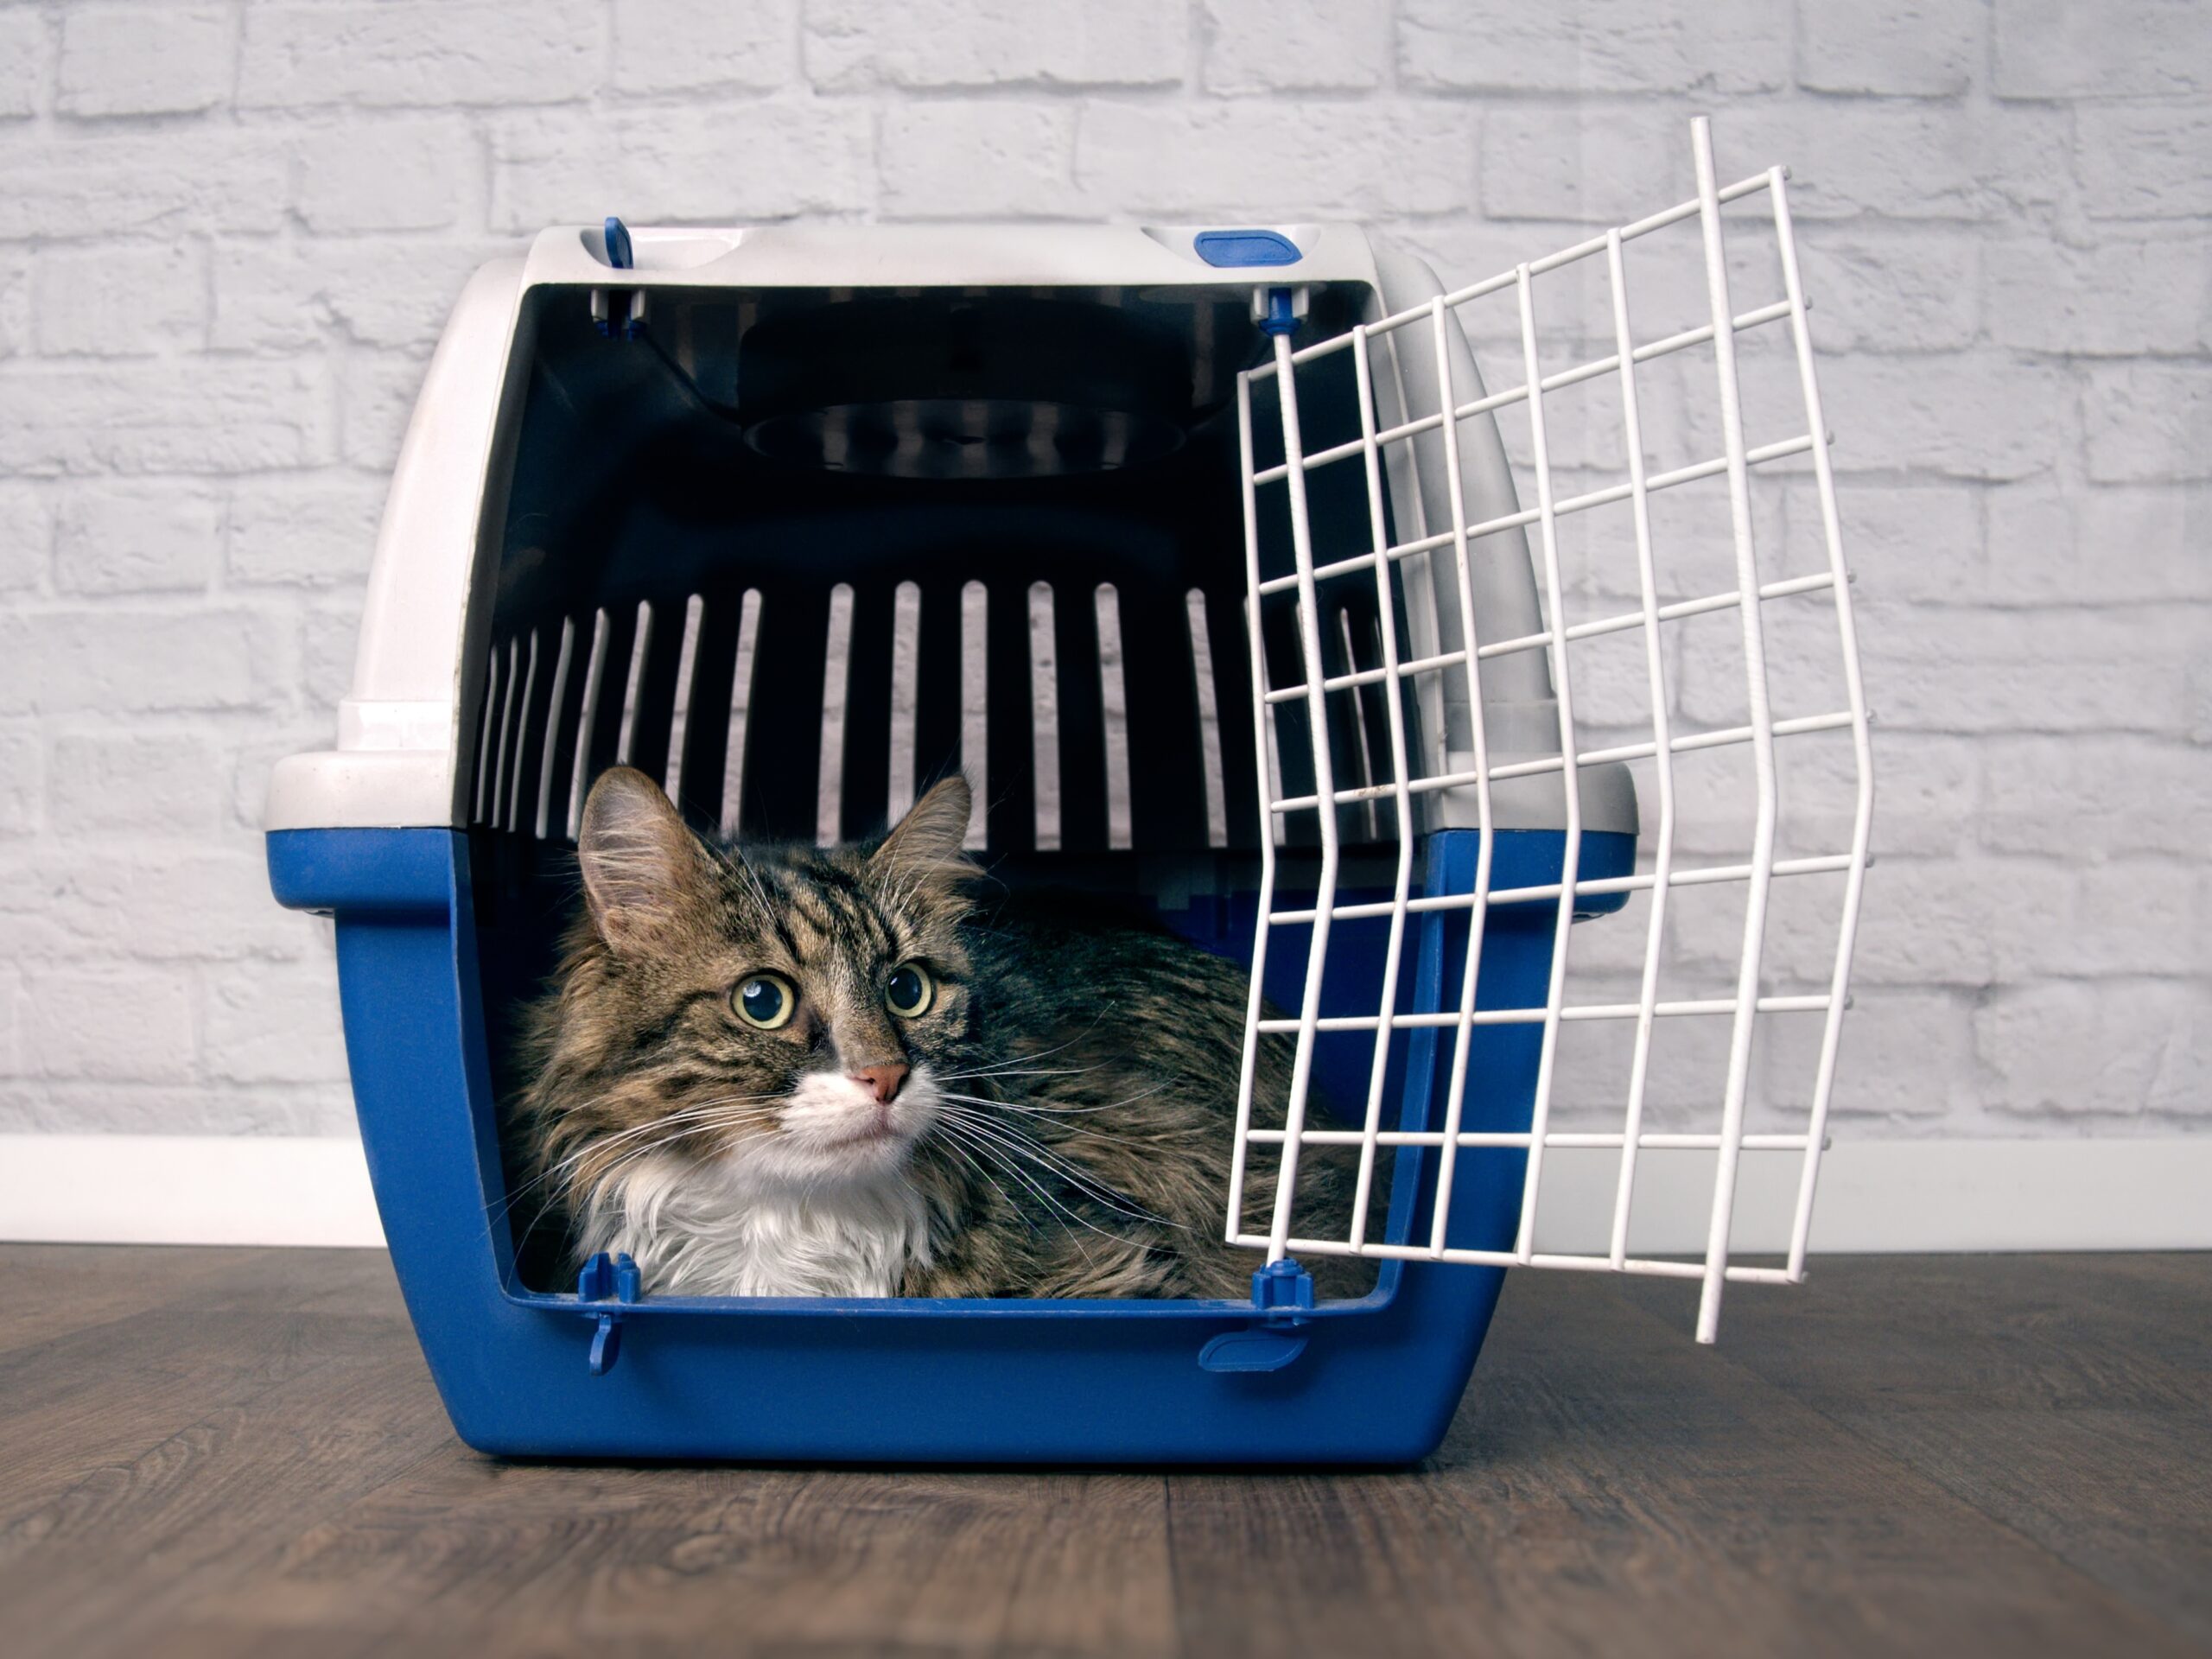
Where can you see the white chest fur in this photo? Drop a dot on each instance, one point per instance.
(712, 1231)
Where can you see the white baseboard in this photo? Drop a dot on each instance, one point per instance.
(185, 1189)
(1875, 1195)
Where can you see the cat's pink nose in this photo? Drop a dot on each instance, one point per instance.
(881, 1081)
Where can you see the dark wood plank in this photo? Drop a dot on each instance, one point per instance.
(1609, 1487)
(48, 1290)
(574, 1559)
(2069, 1398)
(240, 1453)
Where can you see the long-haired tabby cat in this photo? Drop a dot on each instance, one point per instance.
(825, 1072)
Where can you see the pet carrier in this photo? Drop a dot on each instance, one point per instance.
(1210, 558)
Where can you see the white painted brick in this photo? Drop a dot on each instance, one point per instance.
(119, 301)
(1575, 162)
(2070, 49)
(332, 636)
(106, 659)
(750, 161)
(1906, 1058)
(2108, 794)
(2118, 298)
(58, 1106)
(26, 538)
(151, 783)
(1246, 158)
(121, 1021)
(1850, 157)
(376, 395)
(1892, 290)
(195, 179)
(270, 298)
(23, 778)
(140, 536)
(1925, 793)
(311, 531)
(854, 44)
(1593, 46)
(2050, 545)
(2130, 917)
(978, 160)
(145, 59)
(2067, 1052)
(1614, 161)
(2144, 161)
(167, 902)
(2123, 670)
(385, 175)
(1974, 415)
(665, 46)
(275, 1022)
(1921, 541)
(2149, 422)
(15, 303)
(1968, 922)
(22, 60)
(1925, 48)
(420, 54)
(1254, 47)
(227, 415)
(12, 1060)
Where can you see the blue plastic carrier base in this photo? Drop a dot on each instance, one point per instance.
(529, 1373)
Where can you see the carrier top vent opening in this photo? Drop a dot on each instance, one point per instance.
(952, 387)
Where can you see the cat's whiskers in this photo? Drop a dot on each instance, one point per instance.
(705, 1116)
(1040, 1109)
(1013, 1167)
(1014, 1141)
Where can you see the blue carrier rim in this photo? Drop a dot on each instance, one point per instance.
(1372, 1381)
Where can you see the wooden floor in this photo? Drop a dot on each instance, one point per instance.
(238, 1453)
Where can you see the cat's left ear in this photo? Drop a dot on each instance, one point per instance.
(927, 841)
(643, 869)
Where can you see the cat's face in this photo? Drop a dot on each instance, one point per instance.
(793, 1014)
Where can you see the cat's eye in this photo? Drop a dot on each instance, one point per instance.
(765, 1001)
(909, 991)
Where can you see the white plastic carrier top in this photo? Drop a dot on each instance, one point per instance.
(1661, 610)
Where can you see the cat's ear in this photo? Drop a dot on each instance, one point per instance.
(927, 840)
(643, 869)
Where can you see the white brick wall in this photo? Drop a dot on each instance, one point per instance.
(228, 233)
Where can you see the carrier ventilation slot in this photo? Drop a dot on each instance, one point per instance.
(1090, 719)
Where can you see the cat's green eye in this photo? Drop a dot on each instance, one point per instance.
(765, 1001)
(909, 991)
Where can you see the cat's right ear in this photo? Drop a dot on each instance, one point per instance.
(643, 867)
(927, 841)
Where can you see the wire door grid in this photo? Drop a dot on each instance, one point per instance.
(1675, 496)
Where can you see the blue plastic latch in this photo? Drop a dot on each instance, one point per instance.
(1245, 248)
(1281, 318)
(602, 1277)
(1258, 1348)
(617, 246)
(1283, 1293)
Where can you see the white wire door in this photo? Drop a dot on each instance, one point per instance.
(1675, 512)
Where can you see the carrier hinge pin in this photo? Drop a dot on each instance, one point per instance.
(631, 304)
(1277, 310)
(1284, 1292)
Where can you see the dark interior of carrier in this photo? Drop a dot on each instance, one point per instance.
(699, 519)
